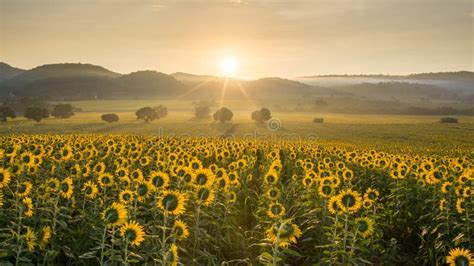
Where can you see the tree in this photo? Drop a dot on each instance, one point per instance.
(36, 113)
(261, 115)
(62, 111)
(161, 111)
(202, 111)
(110, 118)
(146, 114)
(6, 112)
(223, 114)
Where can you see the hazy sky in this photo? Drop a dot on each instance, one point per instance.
(267, 38)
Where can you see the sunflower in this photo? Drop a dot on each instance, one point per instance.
(172, 255)
(276, 210)
(105, 180)
(333, 207)
(204, 195)
(233, 177)
(30, 239)
(204, 177)
(28, 159)
(4, 177)
(159, 180)
(460, 256)
(27, 206)
(66, 188)
(460, 206)
(24, 189)
(443, 205)
(284, 233)
(45, 236)
(273, 193)
(144, 189)
(325, 190)
(99, 168)
(365, 226)
(270, 178)
(90, 190)
(172, 202)
(222, 183)
(133, 233)
(307, 181)
(115, 214)
(371, 194)
(126, 196)
(349, 201)
(368, 204)
(347, 174)
(52, 185)
(232, 196)
(136, 175)
(180, 229)
(1, 198)
(121, 172)
(446, 186)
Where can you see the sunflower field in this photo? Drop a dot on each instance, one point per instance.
(123, 199)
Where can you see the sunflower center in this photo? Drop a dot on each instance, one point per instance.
(276, 209)
(348, 201)
(170, 202)
(201, 179)
(363, 226)
(111, 215)
(64, 187)
(203, 194)
(142, 189)
(461, 261)
(158, 181)
(131, 235)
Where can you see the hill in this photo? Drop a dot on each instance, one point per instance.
(8, 72)
(57, 71)
(151, 83)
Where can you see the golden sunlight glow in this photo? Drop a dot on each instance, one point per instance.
(229, 67)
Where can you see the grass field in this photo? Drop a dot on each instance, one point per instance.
(422, 134)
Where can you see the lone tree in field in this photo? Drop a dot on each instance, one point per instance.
(5, 113)
(110, 118)
(161, 111)
(202, 112)
(62, 111)
(36, 113)
(261, 115)
(146, 114)
(222, 115)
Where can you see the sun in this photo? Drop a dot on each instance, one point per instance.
(229, 66)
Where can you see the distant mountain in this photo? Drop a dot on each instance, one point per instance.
(58, 71)
(152, 83)
(8, 72)
(457, 75)
(191, 78)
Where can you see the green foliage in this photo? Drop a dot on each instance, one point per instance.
(6, 112)
(62, 111)
(110, 118)
(223, 114)
(261, 115)
(36, 113)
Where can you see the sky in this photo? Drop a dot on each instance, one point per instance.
(264, 38)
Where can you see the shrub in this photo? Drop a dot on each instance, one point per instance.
(318, 120)
(202, 112)
(62, 111)
(36, 113)
(110, 118)
(223, 114)
(6, 112)
(261, 115)
(448, 120)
